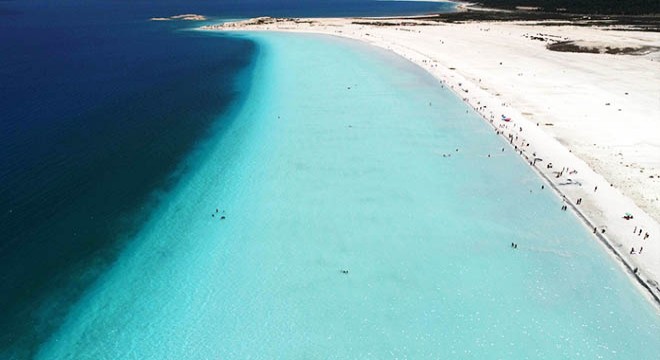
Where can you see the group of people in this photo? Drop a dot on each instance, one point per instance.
(222, 216)
(646, 235)
(639, 233)
(565, 207)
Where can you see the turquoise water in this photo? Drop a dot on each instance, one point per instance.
(335, 162)
(100, 110)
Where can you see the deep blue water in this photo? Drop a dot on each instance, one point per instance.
(99, 107)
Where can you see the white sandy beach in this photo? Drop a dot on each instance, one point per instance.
(594, 117)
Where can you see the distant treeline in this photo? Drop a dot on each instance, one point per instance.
(609, 7)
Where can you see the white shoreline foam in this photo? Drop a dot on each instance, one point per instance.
(564, 105)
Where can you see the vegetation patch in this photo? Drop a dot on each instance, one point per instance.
(594, 48)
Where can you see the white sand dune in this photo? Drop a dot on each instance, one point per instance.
(596, 116)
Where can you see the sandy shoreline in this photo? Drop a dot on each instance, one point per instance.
(594, 117)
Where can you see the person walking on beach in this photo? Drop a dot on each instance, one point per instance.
(640, 249)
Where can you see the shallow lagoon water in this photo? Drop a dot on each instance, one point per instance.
(335, 162)
(100, 107)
